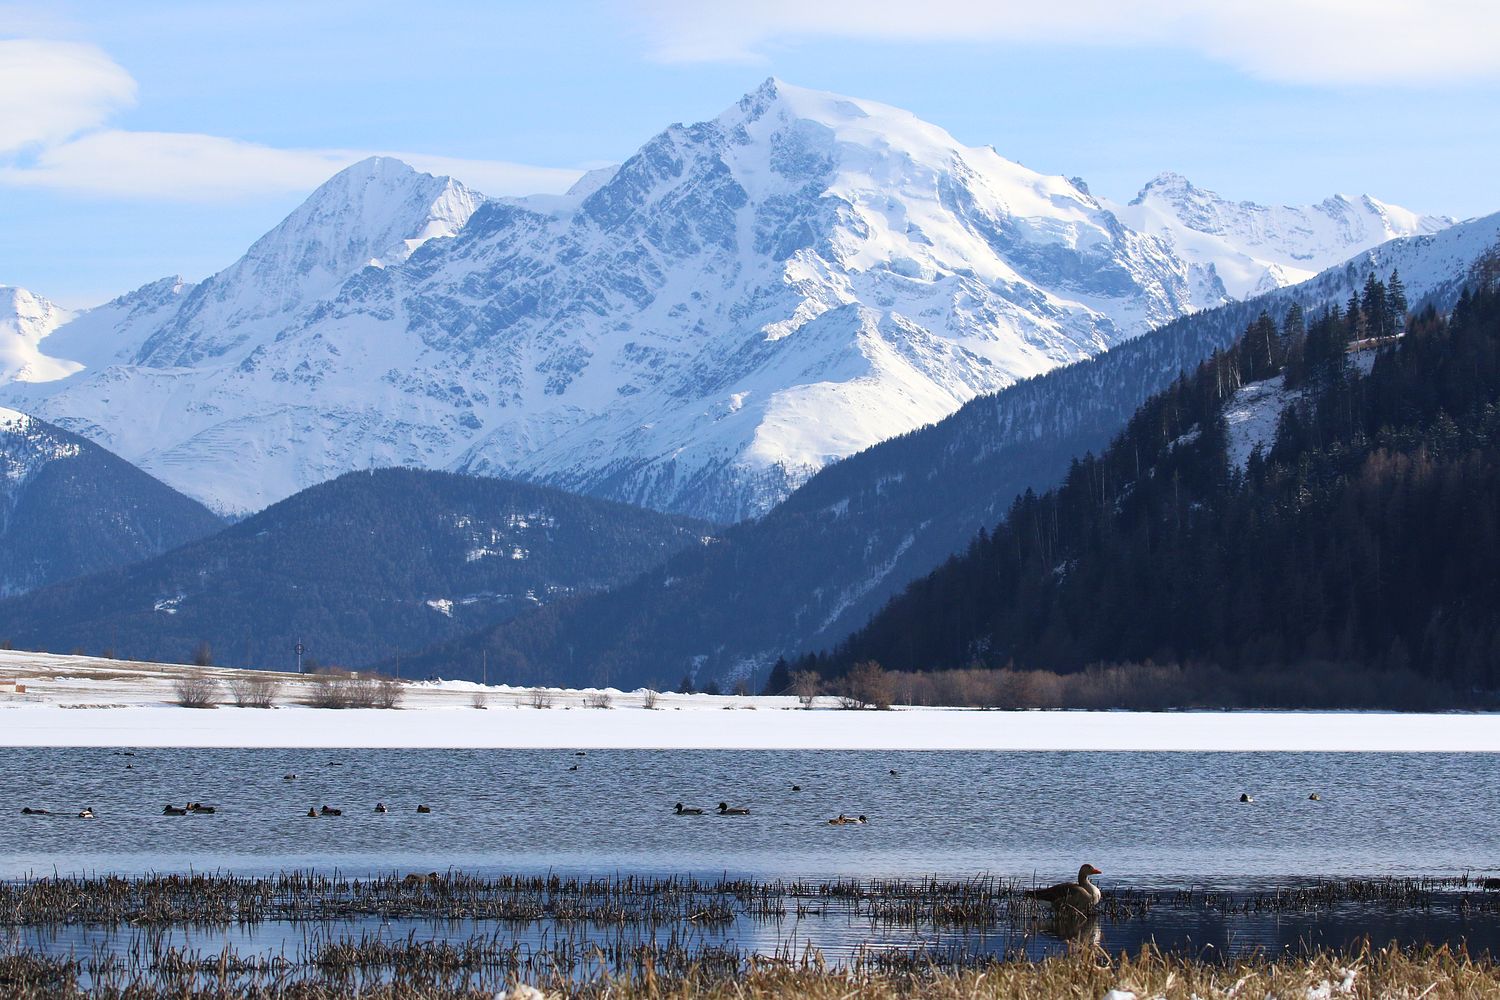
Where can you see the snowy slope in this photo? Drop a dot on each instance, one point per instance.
(375, 212)
(741, 302)
(25, 319)
(700, 329)
(1255, 248)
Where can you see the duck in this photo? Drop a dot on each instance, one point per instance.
(330, 811)
(1245, 797)
(1072, 897)
(174, 811)
(573, 768)
(726, 810)
(312, 813)
(796, 788)
(289, 776)
(424, 809)
(28, 811)
(199, 809)
(86, 814)
(1315, 797)
(840, 820)
(380, 807)
(895, 773)
(683, 810)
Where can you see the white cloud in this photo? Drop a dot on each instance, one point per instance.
(1296, 41)
(55, 98)
(185, 166)
(50, 90)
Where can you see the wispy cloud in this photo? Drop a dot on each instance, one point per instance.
(51, 90)
(1295, 41)
(57, 97)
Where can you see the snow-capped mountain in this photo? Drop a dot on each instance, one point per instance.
(1255, 248)
(25, 318)
(740, 303)
(374, 213)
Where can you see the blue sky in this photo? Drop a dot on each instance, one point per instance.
(154, 137)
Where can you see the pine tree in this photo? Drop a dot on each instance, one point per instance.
(1395, 298)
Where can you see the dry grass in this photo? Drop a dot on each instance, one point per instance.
(435, 971)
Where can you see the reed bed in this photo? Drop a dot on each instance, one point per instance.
(645, 901)
(450, 974)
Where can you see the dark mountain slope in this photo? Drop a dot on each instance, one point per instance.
(1365, 537)
(357, 568)
(68, 507)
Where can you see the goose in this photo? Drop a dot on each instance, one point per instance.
(726, 810)
(330, 811)
(380, 807)
(1076, 897)
(86, 814)
(424, 809)
(173, 811)
(688, 811)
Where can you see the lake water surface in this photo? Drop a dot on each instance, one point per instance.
(1152, 821)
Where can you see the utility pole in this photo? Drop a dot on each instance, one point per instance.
(299, 656)
(484, 667)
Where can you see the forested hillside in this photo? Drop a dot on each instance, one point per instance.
(358, 569)
(1365, 536)
(68, 507)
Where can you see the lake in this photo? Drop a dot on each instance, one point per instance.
(1156, 823)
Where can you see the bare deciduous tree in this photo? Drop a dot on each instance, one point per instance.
(805, 685)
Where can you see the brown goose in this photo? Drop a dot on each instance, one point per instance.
(1079, 897)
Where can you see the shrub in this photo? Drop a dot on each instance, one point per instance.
(540, 698)
(479, 699)
(253, 689)
(649, 698)
(598, 700)
(805, 685)
(196, 691)
(388, 691)
(333, 687)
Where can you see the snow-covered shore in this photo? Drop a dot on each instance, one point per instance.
(85, 701)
